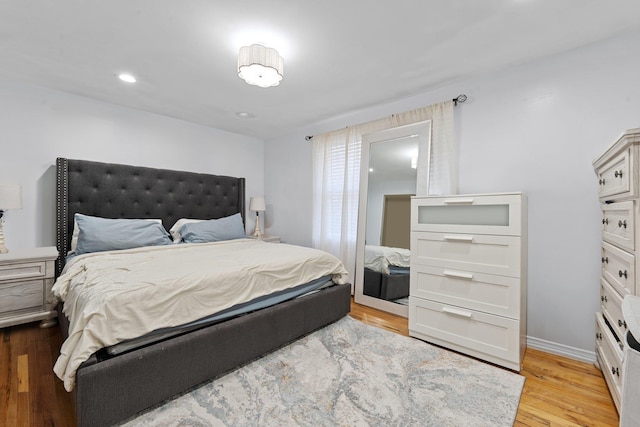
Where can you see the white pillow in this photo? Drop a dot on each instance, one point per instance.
(175, 230)
(76, 232)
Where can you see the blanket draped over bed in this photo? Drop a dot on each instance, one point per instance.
(379, 258)
(140, 290)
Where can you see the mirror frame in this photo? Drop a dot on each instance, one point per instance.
(423, 130)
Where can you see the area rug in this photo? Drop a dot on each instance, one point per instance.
(350, 374)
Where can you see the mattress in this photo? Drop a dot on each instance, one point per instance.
(396, 270)
(237, 310)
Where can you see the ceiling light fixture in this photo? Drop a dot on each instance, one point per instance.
(125, 77)
(260, 66)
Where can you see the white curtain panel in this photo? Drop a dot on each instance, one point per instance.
(336, 175)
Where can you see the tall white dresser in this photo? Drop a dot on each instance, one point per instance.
(468, 283)
(617, 171)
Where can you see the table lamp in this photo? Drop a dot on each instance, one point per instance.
(257, 204)
(10, 198)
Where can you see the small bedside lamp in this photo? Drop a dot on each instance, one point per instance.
(257, 204)
(10, 198)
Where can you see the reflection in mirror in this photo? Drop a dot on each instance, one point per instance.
(392, 182)
(392, 160)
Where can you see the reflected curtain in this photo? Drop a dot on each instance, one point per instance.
(336, 175)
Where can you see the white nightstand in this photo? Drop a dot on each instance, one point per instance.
(266, 238)
(26, 278)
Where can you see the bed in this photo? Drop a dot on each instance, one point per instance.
(386, 272)
(109, 388)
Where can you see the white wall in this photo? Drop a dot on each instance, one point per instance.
(37, 125)
(534, 128)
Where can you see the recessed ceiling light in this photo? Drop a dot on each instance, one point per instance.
(126, 77)
(244, 115)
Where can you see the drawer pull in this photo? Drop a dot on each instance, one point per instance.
(459, 238)
(601, 181)
(605, 260)
(615, 371)
(622, 224)
(603, 298)
(605, 221)
(459, 275)
(622, 323)
(456, 312)
(598, 335)
(618, 174)
(458, 201)
(622, 273)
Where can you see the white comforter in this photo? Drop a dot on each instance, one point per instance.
(114, 296)
(379, 258)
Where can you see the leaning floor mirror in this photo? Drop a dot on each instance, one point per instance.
(394, 167)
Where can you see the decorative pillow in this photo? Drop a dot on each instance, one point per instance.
(76, 232)
(214, 230)
(103, 234)
(175, 230)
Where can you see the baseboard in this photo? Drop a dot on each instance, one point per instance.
(562, 350)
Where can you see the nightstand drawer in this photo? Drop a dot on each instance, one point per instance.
(21, 271)
(21, 296)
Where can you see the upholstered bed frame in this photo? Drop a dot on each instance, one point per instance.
(115, 389)
(386, 286)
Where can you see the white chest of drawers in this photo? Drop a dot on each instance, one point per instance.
(26, 278)
(618, 181)
(468, 274)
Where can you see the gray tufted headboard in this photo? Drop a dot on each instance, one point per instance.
(120, 191)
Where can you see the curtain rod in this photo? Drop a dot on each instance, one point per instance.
(457, 100)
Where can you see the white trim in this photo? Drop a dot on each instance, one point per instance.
(561, 350)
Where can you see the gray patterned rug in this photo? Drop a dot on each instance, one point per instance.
(350, 374)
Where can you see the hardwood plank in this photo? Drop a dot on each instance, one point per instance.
(23, 373)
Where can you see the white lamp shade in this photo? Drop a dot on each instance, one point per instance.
(257, 204)
(10, 197)
(260, 66)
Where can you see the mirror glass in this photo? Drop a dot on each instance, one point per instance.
(389, 178)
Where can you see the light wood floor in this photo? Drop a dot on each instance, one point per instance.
(557, 391)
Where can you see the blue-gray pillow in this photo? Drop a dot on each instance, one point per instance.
(104, 234)
(213, 230)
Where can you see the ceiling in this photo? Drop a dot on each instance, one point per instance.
(339, 56)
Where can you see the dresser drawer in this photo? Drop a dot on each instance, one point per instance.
(618, 267)
(480, 214)
(618, 224)
(493, 338)
(611, 305)
(21, 271)
(614, 177)
(480, 253)
(610, 357)
(477, 291)
(22, 295)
